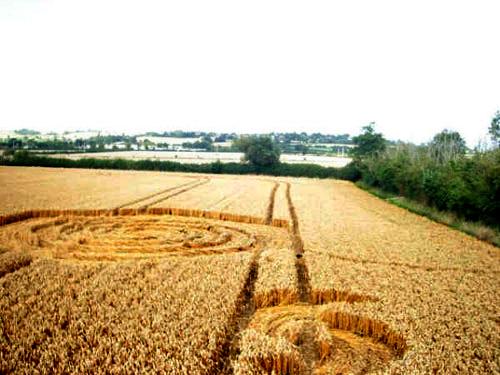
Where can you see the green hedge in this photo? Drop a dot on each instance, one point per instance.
(469, 187)
(282, 169)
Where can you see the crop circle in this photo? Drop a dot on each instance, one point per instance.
(125, 237)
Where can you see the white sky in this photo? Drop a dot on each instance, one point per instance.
(414, 67)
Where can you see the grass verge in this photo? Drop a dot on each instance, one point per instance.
(475, 229)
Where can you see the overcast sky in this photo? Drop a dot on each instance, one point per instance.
(413, 67)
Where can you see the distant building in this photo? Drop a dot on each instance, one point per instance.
(120, 146)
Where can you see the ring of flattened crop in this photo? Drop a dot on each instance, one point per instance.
(131, 237)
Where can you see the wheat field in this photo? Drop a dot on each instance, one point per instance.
(149, 272)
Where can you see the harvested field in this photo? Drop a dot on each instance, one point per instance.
(235, 275)
(203, 157)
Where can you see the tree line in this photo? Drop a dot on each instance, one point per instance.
(439, 174)
(25, 158)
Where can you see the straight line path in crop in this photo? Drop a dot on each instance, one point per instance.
(190, 187)
(246, 303)
(304, 282)
(270, 206)
(307, 349)
(156, 194)
(246, 306)
(241, 319)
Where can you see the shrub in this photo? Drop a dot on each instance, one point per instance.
(466, 186)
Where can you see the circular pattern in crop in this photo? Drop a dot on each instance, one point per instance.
(322, 340)
(125, 237)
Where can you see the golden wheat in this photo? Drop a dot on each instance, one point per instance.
(24, 188)
(298, 339)
(277, 281)
(281, 209)
(11, 261)
(431, 285)
(204, 286)
(139, 316)
(262, 354)
(105, 237)
(243, 196)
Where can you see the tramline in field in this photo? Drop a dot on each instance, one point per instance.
(245, 275)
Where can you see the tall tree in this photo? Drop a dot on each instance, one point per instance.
(447, 145)
(259, 150)
(368, 142)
